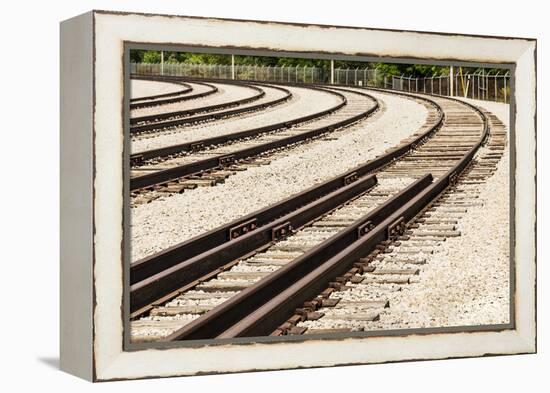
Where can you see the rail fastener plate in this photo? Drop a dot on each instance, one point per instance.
(281, 231)
(196, 146)
(396, 228)
(226, 160)
(243, 228)
(350, 178)
(365, 228)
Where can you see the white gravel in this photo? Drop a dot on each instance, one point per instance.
(465, 282)
(142, 88)
(225, 93)
(167, 221)
(303, 102)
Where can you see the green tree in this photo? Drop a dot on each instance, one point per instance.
(150, 56)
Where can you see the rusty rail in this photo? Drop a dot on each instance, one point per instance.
(261, 308)
(244, 304)
(184, 97)
(158, 262)
(217, 115)
(186, 89)
(177, 118)
(217, 161)
(243, 240)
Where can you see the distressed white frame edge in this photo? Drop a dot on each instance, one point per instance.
(110, 32)
(76, 191)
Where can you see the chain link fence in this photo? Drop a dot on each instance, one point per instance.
(479, 85)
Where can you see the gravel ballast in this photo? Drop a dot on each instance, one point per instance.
(143, 88)
(304, 102)
(170, 220)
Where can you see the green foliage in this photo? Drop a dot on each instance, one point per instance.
(383, 69)
(206, 58)
(151, 57)
(136, 56)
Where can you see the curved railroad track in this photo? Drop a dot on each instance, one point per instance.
(282, 269)
(144, 271)
(186, 88)
(149, 126)
(186, 94)
(209, 161)
(358, 300)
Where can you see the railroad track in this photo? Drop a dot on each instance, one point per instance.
(167, 117)
(277, 269)
(210, 161)
(364, 294)
(168, 120)
(186, 94)
(186, 88)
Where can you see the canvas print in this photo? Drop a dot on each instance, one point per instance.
(280, 196)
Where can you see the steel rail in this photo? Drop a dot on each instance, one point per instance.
(186, 97)
(215, 115)
(203, 143)
(261, 308)
(219, 161)
(187, 89)
(156, 279)
(149, 290)
(230, 312)
(177, 118)
(164, 259)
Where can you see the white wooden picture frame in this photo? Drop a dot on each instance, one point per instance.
(94, 251)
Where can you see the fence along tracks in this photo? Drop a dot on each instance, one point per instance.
(275, 287)
(208, 161)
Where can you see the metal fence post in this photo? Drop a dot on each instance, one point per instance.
(505, 92)
(496, 88)
(451, 81)
(478, 86)
(487, 87)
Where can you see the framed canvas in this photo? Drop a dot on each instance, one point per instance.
(248, 195)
